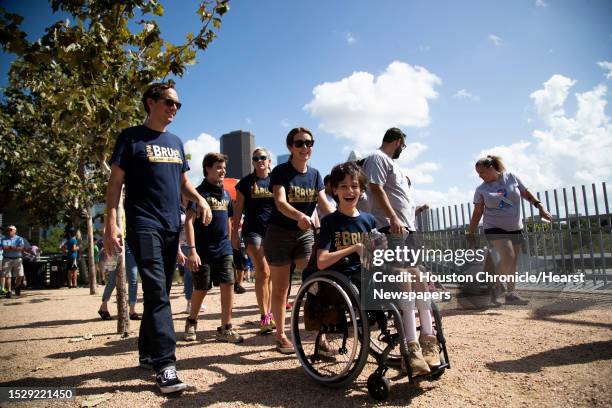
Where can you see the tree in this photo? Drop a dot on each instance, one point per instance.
(70, 94)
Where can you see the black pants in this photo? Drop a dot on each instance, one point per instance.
(155, 254)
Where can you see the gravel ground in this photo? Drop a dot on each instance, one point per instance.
(552, 356)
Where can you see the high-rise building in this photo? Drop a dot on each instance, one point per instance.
(238, 146)
(281, 158)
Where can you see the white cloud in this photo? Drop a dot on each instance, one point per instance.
(419, 174)
(549, 100)
(362, 106)
(541, 3)
(350, 38)
(465, 94)
(198, 148)
(607, 66)
(566, 150)
(497, 41)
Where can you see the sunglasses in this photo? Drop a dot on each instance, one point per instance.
(300, 143)
(260, 158)
(171, 102)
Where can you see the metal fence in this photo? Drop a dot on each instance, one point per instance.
(578, 240)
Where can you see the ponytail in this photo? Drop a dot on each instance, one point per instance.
(491, 160)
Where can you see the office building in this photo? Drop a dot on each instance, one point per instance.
(281, 158)
(238, 146)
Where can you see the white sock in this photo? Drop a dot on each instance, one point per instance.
(424, 308)
(409, 322)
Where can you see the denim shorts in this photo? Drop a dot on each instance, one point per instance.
(215, 271)
(252, 238)
(283, 246)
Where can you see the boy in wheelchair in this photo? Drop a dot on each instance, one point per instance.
(341, 248)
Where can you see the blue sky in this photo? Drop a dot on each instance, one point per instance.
(461, 78)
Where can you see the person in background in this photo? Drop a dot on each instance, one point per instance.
(498, 198)
(131, 275)
(255, 200)
(72, 252)
(2, 288)
(240, 259)
(12, 262)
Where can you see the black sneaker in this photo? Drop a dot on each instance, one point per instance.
(18, 291)
(239, 289)
(146, 363)
(168, 382)
(9, 294)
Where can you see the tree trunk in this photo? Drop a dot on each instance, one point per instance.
(93, 285)
(123, 322)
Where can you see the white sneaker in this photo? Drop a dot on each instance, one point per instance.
(188, 307)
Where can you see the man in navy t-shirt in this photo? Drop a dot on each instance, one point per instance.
(151, 163)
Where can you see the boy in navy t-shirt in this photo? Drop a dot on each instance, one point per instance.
(342, 232)
(210, 250)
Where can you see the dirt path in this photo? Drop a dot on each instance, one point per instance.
(516, 358)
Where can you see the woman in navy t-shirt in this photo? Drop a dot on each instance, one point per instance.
(254, 198)
(297, 189)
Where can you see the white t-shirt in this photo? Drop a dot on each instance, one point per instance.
(385, 172)
(502, 202)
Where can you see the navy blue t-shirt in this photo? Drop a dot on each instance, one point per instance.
(301, 191)
(258, 203)
(212, 240)
(339, 231)
(153, 163)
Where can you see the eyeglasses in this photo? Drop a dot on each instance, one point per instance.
(171, 102)
(300, 143)
(260, 158)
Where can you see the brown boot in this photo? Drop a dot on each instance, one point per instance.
(431, 351)
(415, 357)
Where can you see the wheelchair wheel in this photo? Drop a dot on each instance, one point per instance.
(341, 325)
(378, 387)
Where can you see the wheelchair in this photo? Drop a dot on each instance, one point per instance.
(327, 311)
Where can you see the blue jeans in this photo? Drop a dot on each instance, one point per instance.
(187, 276)
(155, 253)
(131, 274)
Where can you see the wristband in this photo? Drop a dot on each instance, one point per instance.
(536, 202)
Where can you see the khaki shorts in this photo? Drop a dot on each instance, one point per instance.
(12, 267)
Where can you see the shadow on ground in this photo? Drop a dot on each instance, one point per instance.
(578, 354)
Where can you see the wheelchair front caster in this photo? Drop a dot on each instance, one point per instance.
(378, 387)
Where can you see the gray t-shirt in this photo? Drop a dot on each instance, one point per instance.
(502, 202)
(384, 171)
